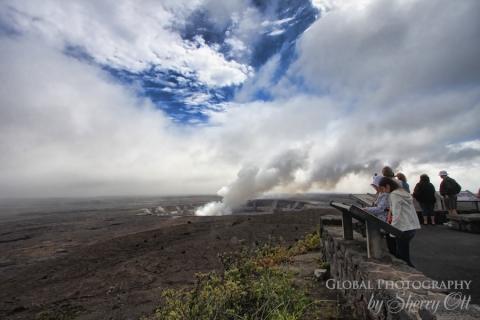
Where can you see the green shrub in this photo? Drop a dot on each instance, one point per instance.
(250, 288)
(309, 243)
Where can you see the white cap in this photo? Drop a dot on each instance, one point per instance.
(376, 181)
(443, 173)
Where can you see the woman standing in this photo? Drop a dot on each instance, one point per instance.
(403, 179)
(403, 217)
(380, 205)
(424, 193)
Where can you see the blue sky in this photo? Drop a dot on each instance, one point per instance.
(178, 88)
(113, 97)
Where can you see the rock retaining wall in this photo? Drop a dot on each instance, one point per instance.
(375, 295)
(465, 222)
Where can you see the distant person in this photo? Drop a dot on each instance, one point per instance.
(374, 183)
(403, 180)
(380, 205)
(402, 215)
(424, 193)
(388, 172)
(449, 189)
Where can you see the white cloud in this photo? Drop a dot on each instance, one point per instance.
(390, 83)
(268, 23)
(71, 130)
(221, 12)
(276, 32)
(237, 46)
(245, 30)
(213, 69)
(393, 48)
(407, 75)
(349, 5)
(126, 35)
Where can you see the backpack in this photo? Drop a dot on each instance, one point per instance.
(454, 187)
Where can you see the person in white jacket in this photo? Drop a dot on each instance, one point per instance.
(402, 216)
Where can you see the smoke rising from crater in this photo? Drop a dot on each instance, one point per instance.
(252, 181)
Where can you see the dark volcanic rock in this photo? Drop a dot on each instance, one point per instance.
(117, 273)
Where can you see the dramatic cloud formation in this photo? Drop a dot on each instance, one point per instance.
(127, 35)
(368, 83)
(72, 129)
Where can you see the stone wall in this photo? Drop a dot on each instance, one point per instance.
(465, 222)
(375, 297)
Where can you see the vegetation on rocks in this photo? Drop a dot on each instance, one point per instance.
(251, 287)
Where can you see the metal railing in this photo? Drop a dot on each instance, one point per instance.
(376, 245)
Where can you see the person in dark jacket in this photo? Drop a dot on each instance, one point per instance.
(449, 189)
(424, 193)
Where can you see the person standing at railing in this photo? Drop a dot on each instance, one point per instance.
(388, 172)
(403, 180)
(380, 206)
(424, 193)
(449, 189)
(380, 209)
(403, 217)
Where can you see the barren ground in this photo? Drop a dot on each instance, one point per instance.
(114, 264)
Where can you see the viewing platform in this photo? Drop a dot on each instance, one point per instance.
(438, 253)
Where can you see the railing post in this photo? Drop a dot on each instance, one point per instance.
(376, 246)
(375, 243)
(347, 226)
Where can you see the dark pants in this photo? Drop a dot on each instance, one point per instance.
(391, 244)
(403, 246)
(428, 211)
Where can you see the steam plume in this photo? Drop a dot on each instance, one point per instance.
(252, 181)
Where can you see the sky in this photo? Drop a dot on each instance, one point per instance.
(151, 97)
